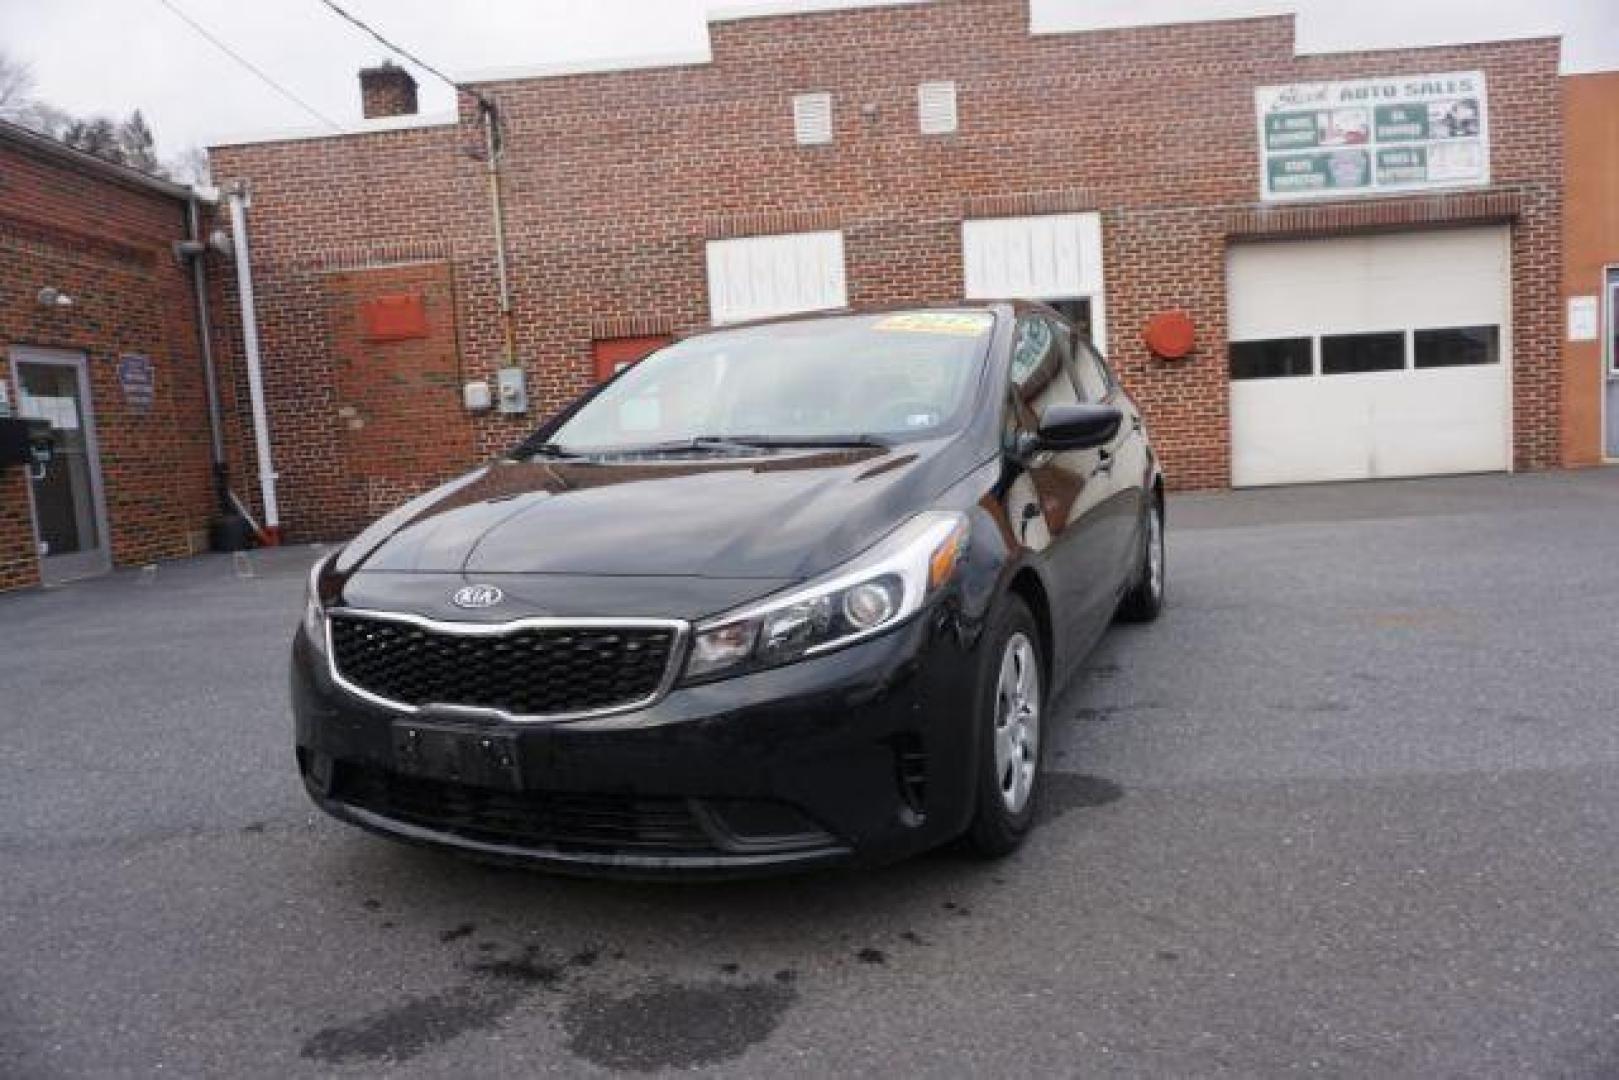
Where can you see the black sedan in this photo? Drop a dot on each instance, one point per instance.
(783, 595)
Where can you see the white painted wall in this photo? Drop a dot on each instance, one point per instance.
(1378, 424)
(756, 277)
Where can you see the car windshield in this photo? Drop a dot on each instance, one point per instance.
(839, 379)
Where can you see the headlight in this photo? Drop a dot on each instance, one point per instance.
(316, 597)
(874, 592)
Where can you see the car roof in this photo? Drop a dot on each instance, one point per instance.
(1012, 307)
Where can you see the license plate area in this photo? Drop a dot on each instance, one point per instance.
(457, 755)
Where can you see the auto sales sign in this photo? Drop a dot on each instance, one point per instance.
(1330, 140)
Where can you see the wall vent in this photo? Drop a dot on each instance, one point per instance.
(936, 107)
(812, 119)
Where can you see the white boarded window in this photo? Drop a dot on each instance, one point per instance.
(755, 277)
(936, 107)
(1050, 257)
(812, 119)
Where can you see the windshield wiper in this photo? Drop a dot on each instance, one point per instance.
(545, 449)
(723, 444)
(836, 442)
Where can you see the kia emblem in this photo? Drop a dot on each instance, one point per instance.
(477, 596)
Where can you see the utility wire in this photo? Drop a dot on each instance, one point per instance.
(418, 61)
(249, 65)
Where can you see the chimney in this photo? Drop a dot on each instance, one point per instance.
(387, 90)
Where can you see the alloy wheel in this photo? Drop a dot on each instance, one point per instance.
(1017, 722)
(1155, 551)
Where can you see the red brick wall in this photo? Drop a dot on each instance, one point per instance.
(400, 422)
(614, 182)
(108, 246)
(1591, 236)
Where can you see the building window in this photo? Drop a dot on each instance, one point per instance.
(1457, 347)
(812, 119)
(754, 277)
(1352, 354)
(936, 107)
(1277, 358)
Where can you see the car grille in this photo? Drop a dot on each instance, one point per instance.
(526, 671)
(532, 819)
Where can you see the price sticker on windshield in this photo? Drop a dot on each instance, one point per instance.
(961, 323)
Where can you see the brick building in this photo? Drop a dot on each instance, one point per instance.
(1591, 275)
(923, 151)
(99, 335)
(1368, 246)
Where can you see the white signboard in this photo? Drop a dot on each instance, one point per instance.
(1332, 140)
(1582, 318)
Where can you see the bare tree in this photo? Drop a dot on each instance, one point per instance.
(128, 142)
(136, 146)
(16, 85)
(18, 105)
(190, 166)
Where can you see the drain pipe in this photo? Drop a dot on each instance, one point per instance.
(195, 250)
(494, 150)
(239, 201)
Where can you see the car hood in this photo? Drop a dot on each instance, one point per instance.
(779, 517)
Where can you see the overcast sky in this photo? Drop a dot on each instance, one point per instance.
(114, 55)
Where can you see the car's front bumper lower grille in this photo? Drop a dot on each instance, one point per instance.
(528, 819)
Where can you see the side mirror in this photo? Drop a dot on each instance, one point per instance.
(1077, 427)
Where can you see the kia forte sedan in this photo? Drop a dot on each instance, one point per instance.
(782, 595)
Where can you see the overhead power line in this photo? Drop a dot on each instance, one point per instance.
(392, 47)
(249, 65)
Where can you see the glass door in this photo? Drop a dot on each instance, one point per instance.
(69, 519)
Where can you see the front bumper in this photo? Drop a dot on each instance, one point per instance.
(863, 755)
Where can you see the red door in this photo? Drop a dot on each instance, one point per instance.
(612, 355)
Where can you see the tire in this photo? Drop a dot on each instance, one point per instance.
(1145, 599)
(1007, 718)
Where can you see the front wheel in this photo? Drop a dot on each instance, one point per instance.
(1007, 719)
(1146, 596)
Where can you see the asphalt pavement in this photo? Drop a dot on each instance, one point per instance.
(1350, 808)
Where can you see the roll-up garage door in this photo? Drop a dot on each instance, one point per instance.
(1370, 356)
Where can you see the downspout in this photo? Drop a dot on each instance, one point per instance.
(493, 151)
(196, 249)
(255, 374)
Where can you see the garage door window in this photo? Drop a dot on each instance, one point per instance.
(1277, 358)
(1349, 354)
(1457, 347)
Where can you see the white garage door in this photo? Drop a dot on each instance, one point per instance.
(1370, 356)
(755, 277)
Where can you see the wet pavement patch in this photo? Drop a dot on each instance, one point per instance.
(669, 1025)
(871, 956)
(526, 968)
(402, 1031)
(466, 929)
(1073, 791)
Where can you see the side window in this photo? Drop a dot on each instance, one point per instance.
(1040, 375)
(1095, 380)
